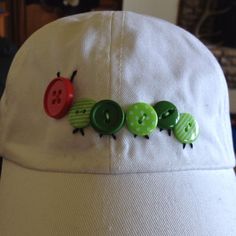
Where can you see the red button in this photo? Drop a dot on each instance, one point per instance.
(58, 97)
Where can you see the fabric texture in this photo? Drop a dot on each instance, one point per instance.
(55, 182)
(185, 203)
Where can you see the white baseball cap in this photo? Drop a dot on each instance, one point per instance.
(116, 65)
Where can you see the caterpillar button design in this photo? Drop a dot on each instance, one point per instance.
(186, 130)
(107, 117)
(79, 115)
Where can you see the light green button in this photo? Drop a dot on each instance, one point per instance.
(79, 115)
(141, 119)
(187, 129)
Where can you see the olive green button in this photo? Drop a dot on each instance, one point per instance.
(187, 129)
(79, 115)
(107, 117)
(141, 119)
(167, 113)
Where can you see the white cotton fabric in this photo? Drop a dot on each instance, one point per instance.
(186, 203)
(128, 58)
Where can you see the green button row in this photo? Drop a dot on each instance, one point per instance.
(107, 117)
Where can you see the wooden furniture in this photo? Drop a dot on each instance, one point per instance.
(26, 19)
(4, 20)
(3, 27)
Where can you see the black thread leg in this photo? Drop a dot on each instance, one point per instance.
(135, 135)
(161, 129)
(169, 132)
(81, 131)
(146, 136)
(58, 74)
(75, 130)
(73, 76)
(184, 144)
(191, 145)
(113, 136)
(100, 135)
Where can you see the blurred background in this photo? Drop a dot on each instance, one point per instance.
(212, 21)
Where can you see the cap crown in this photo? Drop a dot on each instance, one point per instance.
(128, 58)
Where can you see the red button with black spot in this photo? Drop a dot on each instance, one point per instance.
(58, 97)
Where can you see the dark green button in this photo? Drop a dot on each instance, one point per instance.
(167, 113)
(187, 129)
(107, 117)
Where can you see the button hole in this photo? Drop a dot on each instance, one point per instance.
(107, 117)
(167, 113)
(140, 121)
(60, 91)
(84, 111)
(53, 101)
(54, 93)
(188, 127)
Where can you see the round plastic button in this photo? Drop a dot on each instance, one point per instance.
(167, 113)
(107, 117)
(79, 114)
(58, 97)
(187, 129)
(141, 119)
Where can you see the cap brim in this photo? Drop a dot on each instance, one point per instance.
(174, 203)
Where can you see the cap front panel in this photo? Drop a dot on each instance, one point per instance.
(126, 58)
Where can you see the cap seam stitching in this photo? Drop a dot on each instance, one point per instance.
(110, 78)
(124, 173)
(120, 65)
(121, 72)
